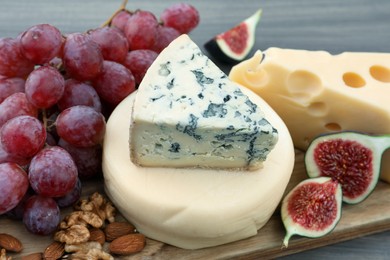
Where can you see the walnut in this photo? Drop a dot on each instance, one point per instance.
(74, 230)
(98, 205)
(84, 218)
(72, 248)
(3, 255)
(75, 234)
(88, 250)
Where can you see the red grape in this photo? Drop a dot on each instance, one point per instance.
(112, 43)
(82, 57)
(165, 35)
(41, 215)
(71, 197)
(81, 126)
(12, 61)
(79, 93)
(18, 211)
(16, 105)
(41, 43)
(102, 67)
(44, 87)
(88, 159)
(6, 157)
(141, 30)
(13, 186)
(181, 16)
(120, 19)
(9, 86)
(114, 83)
(23, 136)
(52, 172)
(138, 62)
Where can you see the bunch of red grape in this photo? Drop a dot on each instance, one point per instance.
(56, 92)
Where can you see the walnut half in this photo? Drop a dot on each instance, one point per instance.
(88, 250)
(98, 205)
(75, 234)
(84, 218)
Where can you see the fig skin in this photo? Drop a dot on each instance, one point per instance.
(319, 198)
(243, 33)
(213, 48)
(357, 182)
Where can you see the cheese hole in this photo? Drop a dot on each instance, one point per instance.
(333, 126)
(354, 80)
(380, 73)
(256, 78)
(317, 109)
(303, 85)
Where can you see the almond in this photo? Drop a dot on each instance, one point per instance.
(10, 243)
(118, 229)
(33, 256)
(127, 244)
(97, 235)
(54, 251)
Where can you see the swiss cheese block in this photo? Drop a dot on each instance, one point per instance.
(188, 113)
(315, 92)
(194, 208)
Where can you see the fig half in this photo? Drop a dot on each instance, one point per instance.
(353, 159)
(312, 208)
(235, 44)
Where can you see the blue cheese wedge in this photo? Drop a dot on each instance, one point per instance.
(188, 113)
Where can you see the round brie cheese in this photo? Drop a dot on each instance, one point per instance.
(194, 208)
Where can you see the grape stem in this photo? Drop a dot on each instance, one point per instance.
(121, 8)
(44, 118)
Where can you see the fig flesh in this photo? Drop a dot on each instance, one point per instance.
(234, 45)
(312, 208)
(351, 158)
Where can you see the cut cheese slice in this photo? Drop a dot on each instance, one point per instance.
(188, 113)
(315, 92)
(194, 208)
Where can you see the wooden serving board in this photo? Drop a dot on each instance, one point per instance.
(368, 217)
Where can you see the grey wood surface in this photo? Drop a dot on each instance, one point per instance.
(335, 26)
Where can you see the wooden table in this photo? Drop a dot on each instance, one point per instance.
(335, 26)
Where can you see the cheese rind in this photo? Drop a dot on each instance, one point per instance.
(194, 208)
(315, 92)
(188, 113)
